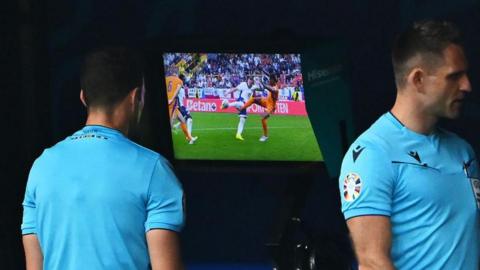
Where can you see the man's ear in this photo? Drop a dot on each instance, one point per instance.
(133, 96)
(416, 79)
(83, 98)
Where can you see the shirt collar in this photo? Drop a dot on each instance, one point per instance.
(102, 129)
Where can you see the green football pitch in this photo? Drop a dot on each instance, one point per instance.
(290, 138)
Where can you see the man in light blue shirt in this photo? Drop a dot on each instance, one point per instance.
(97, 200)
(410, 190)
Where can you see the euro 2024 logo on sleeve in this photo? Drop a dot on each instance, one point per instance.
(352, 186)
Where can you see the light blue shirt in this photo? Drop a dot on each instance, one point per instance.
(425, 184)
(91, 198)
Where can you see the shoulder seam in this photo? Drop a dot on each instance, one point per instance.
(380, 148)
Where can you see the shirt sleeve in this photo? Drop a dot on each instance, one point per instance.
(29, 222)
(366, 182)
(165, 207)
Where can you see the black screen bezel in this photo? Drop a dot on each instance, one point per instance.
(160, 139)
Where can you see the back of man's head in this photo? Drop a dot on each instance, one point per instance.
(422, 44)
(108, 75)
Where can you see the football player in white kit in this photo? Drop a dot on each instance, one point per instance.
(245, 90)
(184, 111)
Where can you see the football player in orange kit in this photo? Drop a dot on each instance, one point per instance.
(174, 84)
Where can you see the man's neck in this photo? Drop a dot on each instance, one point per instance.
(413, 116)
(113, 120)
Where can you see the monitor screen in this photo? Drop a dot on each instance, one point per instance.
(233, 106)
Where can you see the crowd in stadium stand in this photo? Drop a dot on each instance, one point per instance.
(228, 70)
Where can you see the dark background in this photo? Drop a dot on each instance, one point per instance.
(230, 215)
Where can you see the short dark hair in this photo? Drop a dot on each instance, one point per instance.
(427, 39)
(109, 74)
(182, 77)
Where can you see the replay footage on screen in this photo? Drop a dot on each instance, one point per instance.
(231, 106)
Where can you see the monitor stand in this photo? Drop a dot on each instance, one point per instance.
(290, 245)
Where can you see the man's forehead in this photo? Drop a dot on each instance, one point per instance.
(454, 56)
